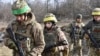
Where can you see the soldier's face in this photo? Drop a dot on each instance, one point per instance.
(79, 20)
(97, 18)
(20, 18)
(48, 24)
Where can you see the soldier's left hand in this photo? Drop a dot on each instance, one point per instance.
(60, 48)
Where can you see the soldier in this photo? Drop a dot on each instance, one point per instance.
(75, 31)
(93, 28)
(54, 35)
(28, 30)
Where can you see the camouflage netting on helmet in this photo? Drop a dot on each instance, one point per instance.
(20, 7)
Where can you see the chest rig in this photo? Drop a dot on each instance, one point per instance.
(23, 35)
(77, 28)
(96, 32)
(51, 37)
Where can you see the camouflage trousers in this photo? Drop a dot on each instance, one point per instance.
(93, 52)
(75, 49)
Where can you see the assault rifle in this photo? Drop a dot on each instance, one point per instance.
(92, 39)
(14, 39)
(72, 34)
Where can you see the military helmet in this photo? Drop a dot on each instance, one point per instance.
(20, 7)
(96, 11)
(79, 16)
(50, 17)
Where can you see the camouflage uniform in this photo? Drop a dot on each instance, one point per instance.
(93, 27)
(53, 36)
(29, 32)
(75, 43)
(34, 33)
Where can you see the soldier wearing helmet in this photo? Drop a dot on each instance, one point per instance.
(93, 28)
(54, 35)
(29, 31)
(75, 30)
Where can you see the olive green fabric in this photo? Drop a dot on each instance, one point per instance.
(53, 36)
(30, 36)
(94, 28)
(74, 47)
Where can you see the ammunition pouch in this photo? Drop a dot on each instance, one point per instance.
(25, 42)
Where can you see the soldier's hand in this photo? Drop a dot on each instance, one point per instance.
(54, 49)
(33, 54)
(98, 51)
(12, 46)
(60, 48)
(86, 37)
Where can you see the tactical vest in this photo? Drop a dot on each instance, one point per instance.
(78, 30)
(50, 37)
(23, 34)
(95, 30)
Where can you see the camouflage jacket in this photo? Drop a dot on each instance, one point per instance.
(33, 31)
(93, 28)
(69, 30)
(54, 35)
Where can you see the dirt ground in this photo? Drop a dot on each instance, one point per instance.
(4, 51)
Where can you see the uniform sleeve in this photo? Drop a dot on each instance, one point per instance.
(62, 37)
(8, 42)
(39, 41)
(66, 28)
(88, 26)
